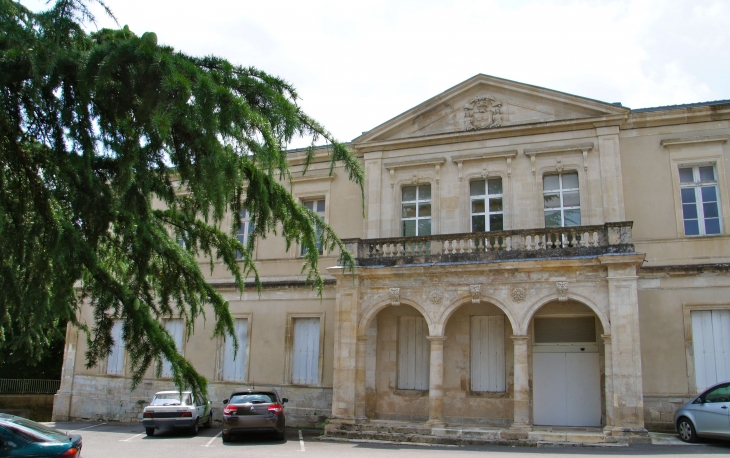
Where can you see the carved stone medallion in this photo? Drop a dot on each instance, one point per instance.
(562, 287)
(481, 112)
(518, 294)
(436, 296)
(394, 296)
(476, 293)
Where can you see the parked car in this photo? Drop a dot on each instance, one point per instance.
(173, 409)
(22, 437)
(708, 415)
(250, 410)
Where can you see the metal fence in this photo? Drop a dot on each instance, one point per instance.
(28, 386)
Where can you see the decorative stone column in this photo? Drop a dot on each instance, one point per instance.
(521, 385)
(608, 381)
(63, 398)
(345, 355)
(360, 380)
(436, 383)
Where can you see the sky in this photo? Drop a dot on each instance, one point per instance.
(357, 64)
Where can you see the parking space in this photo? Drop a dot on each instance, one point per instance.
(112, 440)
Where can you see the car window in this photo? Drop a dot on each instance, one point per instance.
(253, 398)
(718, 394)
(171, 399)
(31, 431)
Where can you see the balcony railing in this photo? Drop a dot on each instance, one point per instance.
(503, 245)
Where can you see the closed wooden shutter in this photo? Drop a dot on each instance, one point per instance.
(174, 327)
(115, 361)
(711, 341)
(487, 353)
(234, 365)
(305, 352)
(414, 353)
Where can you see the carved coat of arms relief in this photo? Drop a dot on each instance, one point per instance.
(481, 112)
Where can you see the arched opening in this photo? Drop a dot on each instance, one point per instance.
(567, 366)
(478, 366)
(397, 365)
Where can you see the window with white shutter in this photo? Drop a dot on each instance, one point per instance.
(414, 353)
(234, 364)
(174, 327)
(711, 342)
(487, 353)
(115, 360)
(305, 351)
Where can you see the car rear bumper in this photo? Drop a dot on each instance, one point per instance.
(160, 423)
(236, 424)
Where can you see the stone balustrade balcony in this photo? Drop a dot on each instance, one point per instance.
(523, 244)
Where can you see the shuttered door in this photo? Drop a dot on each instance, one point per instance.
(711, 341)
(115, 361)
(234, 366)
(414, 352)
(305, 352)
(174, 327)
(487, 353)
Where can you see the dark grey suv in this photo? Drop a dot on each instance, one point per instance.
(252, 410)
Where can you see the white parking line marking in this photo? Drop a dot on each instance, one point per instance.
(127, 440)
(211, 441)
(88, 427)
(301, 441)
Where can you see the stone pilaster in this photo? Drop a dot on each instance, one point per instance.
(436, 382)
(608, 382)
(62, 399)
(521, 385)
(360, 376)
(345, 355)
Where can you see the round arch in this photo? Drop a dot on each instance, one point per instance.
(466, 298)
(530, 312)
(367, 318)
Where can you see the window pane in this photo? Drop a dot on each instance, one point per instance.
(691, 227)
(552, 200)
(424, 210)
(688, 195)
(571, 199)
(495, 205)
(476, 188)
(685, 175)
(572, 217)
(477, 206)
(707, 173)
(309, 204)
(689, 211)
(409, 193)
(570, 181)
(409, 228)
(495, 186)
(409, 210)
(710, 210)
(424, 192)
(709, 194)
(244, 213)
(712, 226)
(424, 226)
(550, 182)
(496, 222)
(552, 219)
(477, 224)
(320, 206)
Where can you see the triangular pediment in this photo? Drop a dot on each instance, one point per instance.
(486, 102)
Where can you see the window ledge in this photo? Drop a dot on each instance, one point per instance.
(488, 394)
(692, 140)
(411, 393)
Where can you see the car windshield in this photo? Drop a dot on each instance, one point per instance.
(253, 398)
(172, 399)
(32, 431)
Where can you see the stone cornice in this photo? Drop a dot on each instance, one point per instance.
(579, 147)
(482, 156)
(313, 177)
(693, 140)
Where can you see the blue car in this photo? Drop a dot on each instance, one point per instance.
(708, 415)
(22, 437)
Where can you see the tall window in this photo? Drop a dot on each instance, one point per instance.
(416, 210)
(115, 360)
(414, 353)
(174, 327)
(700, 206)
(305, 351)
(316, 206)
(487, 353)
(234, 365)
(243, 231)
(562, 199)
(487, 211)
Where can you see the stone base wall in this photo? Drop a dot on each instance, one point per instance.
(111, 399)
(659, 411)
(36, 407)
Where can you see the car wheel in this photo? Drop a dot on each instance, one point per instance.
(686, 430)
(150, 431)
(196, 427)
(209, 422)
(281, 435)
(226, 437)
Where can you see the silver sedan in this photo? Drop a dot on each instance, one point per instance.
(708, 415)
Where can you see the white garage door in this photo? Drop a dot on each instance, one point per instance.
(711, 341)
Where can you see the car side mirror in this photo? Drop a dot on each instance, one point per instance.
(225, 401)
(284, 400)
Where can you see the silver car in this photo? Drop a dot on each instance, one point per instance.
(708, 415)
(254, 410)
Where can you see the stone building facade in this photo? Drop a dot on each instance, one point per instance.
(521, 248)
